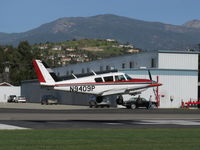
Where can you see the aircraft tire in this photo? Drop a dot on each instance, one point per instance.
(99, 99)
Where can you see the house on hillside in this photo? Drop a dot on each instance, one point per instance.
(57, 48)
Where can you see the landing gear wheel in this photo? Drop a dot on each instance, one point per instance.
(99, 99)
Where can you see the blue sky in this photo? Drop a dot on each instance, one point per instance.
(23, 15)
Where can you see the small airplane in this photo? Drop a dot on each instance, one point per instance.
(99, 84)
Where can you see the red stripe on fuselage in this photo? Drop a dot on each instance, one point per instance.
(38, 72)
(139, 81)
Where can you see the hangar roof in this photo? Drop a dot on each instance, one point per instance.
(179, 52)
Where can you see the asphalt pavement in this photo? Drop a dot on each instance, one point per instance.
(36, 116)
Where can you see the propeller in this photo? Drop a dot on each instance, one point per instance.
(150, 77)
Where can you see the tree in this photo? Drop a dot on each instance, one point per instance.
(25, 50)
(1, 60)
(19, 61)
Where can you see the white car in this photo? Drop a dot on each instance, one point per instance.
(20, 99)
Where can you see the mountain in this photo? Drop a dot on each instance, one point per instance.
(192, 24)
(142, 34)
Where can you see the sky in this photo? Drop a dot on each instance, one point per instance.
(23, 15)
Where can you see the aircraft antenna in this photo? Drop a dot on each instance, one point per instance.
(94, 72)
(74, 76)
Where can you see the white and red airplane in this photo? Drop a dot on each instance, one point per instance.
(104, 84)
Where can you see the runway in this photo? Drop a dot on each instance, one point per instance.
(113, 118)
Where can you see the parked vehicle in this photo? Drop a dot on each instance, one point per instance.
(104, 103)
(136, 102)
(49, 99)
(20, 99)
(11, 99)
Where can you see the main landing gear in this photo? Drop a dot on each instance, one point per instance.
(119, 100)
(99, 99)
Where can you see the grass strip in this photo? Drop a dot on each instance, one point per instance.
(101, 139)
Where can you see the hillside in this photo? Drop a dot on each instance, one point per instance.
(192, 24)
(77, 51)
(142, 34)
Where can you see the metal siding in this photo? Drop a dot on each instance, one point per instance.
(181, 88)
(139, 59)
(34, 93)
(178, 61)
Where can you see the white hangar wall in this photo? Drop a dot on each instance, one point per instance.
(179, 85)
(6, 91)
(177, 60)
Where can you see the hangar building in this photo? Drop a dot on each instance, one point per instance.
(176, 70)
(7, 89)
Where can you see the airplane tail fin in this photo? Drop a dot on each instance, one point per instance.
(45, 75)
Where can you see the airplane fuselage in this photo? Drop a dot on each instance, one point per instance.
(106, 84)
(101, 84)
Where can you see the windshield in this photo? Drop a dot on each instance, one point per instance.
(128, 77)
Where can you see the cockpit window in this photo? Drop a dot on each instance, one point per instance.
(128, 77)
(120, 78)
(98, 80)
(108, 78)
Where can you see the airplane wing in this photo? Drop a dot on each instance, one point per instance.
(112, 92)
(123, 91)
